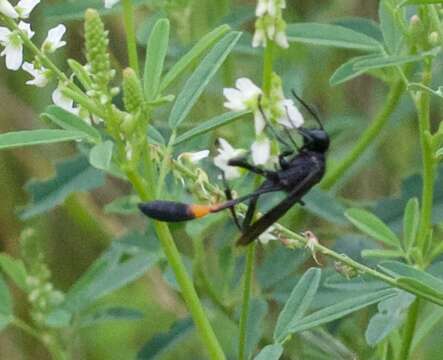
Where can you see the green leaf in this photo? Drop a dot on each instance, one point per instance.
(362, 25)
(392, 34)
(110, 314)
(383, 61)
(100, 155)
(75, 10)
(37, 137)
(5, 304)
(156, 50)
(347, 71)
(164, 341)
(108, 273)
(382, 253)
(391, 313)
(15, 269)
(411, 220)
(270, 352)
(372, 226)
(197, 82)
(298, 303)
(331, 35)
(70, 121)
(192, 55)
(210, 125)
(341, 309)
(417, 281)
(325, 205)
(124, 205)
(155, 136)
(72, 175)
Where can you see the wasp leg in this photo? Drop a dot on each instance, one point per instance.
(228, 194)
(271, 175)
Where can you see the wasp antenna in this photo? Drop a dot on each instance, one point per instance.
(271, 127)
(307, 107)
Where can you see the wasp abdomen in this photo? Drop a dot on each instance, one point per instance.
(172, 211)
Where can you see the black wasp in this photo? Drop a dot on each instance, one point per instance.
(297, 174)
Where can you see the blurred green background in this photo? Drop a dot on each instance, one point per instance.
(74, 234)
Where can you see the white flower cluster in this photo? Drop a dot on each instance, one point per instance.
(270, 24)
(110, 3)
(12, 42)
(246, 96)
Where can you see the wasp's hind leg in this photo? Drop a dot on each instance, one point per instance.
(228, 194)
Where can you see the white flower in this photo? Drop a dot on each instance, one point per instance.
(63, 101)
(267, 236)
(110, 3)
(7, 9)
(243, 97)
(259, 38)
(225, 153)
(40, 75)
(53, 40)
(291, 118)
(281, 39)
(24, 7)
(261, 151)
(13, 45)
(194, 157)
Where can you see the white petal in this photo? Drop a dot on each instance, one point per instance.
(199, 155)
(63, 101)
(53, 40)
(225, 153)
(267, 236)
(40, 79)
(261, 151)
(261, 8)
(110, 3)
(281, 39)
(26, 28)
(7, 9)
(292, 117)
(4, 34)
(14, 56)
(272, 8)
(259, 38)
(24, 7)
(235, 99)
(259, 122)
(247, 88)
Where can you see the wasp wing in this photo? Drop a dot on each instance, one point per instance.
(262, 224)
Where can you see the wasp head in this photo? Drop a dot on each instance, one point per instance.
(315, 139)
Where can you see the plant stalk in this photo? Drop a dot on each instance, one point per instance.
(128, 19)
(408, 332)
(187, 288)
(423, 110)
(367, 138)
(247, 282)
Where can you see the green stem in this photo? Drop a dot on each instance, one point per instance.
(423, 108)
(165, 162)
(267, 67)
(187, 288)
(408, 332)
(368, 137)
(128, 18)
(247, 282)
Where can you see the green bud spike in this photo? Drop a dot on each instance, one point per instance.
(132, 91)
(96, 42)
(80, 73)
